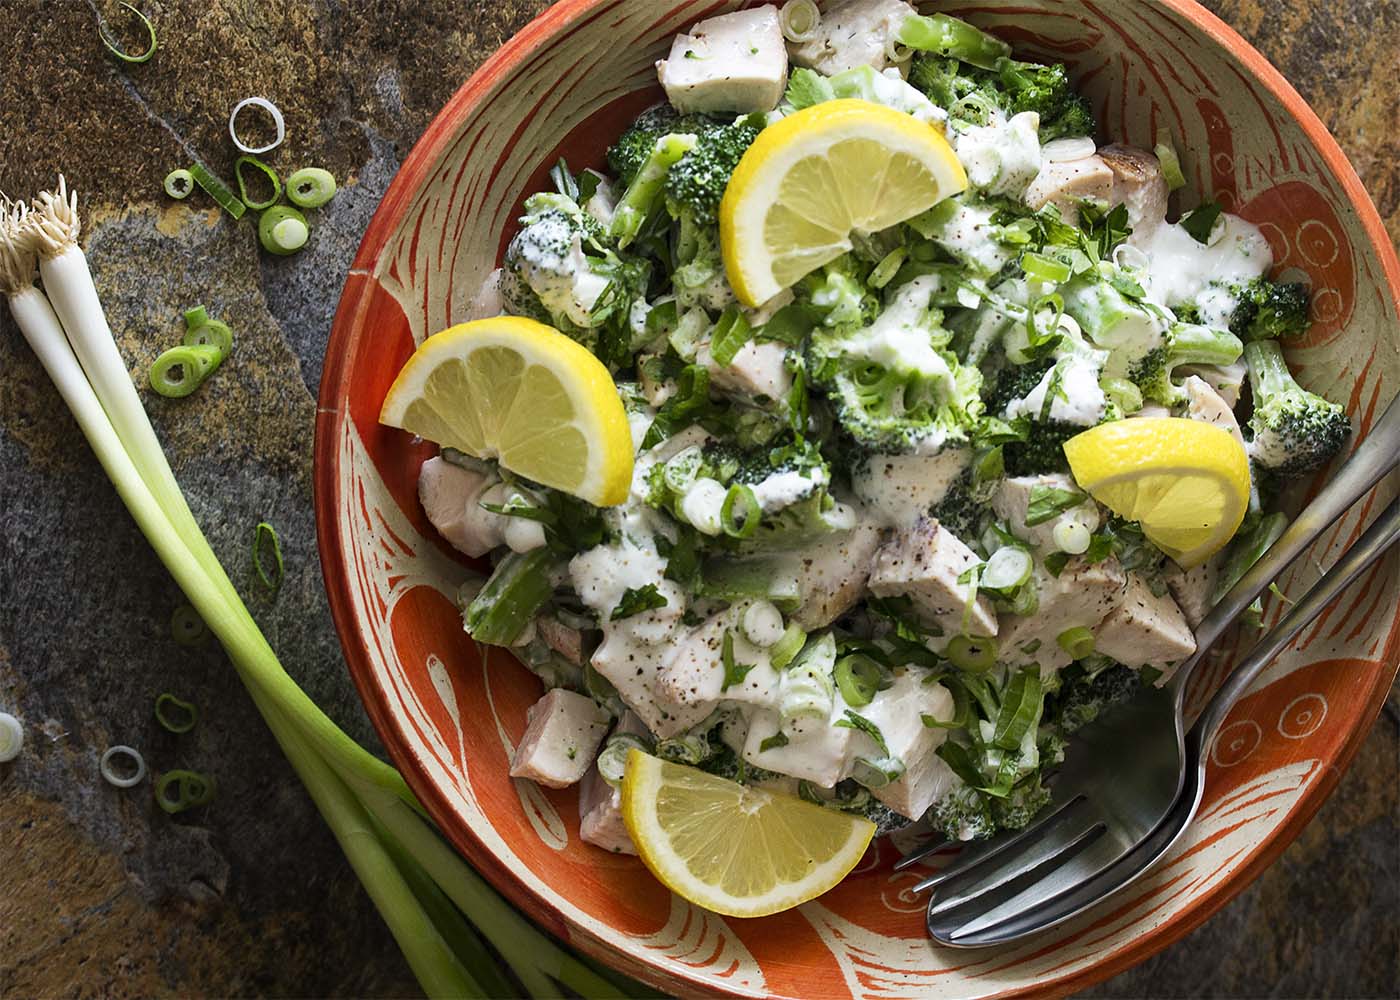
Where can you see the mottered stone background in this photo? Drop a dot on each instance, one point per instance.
(102, 894)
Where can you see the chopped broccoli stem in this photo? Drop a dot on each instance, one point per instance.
(516, 590)
(950, 36)
(644, 193)
(1294, 431)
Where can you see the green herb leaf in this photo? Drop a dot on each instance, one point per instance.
(864, 725)
(774, 742)
(1049, 502)
(1201, 222)
(734, 673)
(807, 87)
(638, 599)
(1056, 562)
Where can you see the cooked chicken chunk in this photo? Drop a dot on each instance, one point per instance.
(600, 815)
(451, 498)
(566, 641)
(1082, 596)
(924, 563)
(1205, 404)
(732, 64)
(832, 574)
(1012, 503)
(1194, 589)
(898, 712)
(1138, 184)
(853, 33)
(758, 371)
(1145, 629)
(1065, 184)
(561, 739)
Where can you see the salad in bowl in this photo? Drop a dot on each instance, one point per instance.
(854, 437)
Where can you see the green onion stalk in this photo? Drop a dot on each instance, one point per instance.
(424, 891)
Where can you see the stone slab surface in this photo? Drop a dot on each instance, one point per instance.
(101, 894)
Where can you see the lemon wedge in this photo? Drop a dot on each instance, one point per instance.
(521, 392)
(733, 849)
(1185, 481)
(812, 179)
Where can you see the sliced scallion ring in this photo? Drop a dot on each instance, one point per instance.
(268, 172)
(1078, 642)
(11, 737)
(177, 791)
(1009, 566)
(131, 771)
(174, 714)
(975, 655)
(186, 627)
(283, 230)
(858, 679)
(799, 20)
(277, 123)
(218, 190)
(744, 522)
(265, 539)
(111, 44)
(179, 183)
(179, 371)
(200, 330)
(1169, 161)
(310, 187)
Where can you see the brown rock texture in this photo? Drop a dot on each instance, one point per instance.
(102, 894)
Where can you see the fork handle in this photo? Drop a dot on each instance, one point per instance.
(1377, 455)
(1371, 547)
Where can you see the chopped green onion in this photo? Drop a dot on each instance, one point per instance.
(277, 123)
(201, 331)
(1078, 642)
(1049, 502)
(310, 187)
(190, 791)
(1043, 268)
(785, 650)
(265, 538)
(888, 267)
(1072, 536)
(749, 515)
(180, 370)
(217, 190)
(186, 627)
(179, 183)
(134, 772)
(11, 737)
(1170, 162)
(268, 172)
(283, 230)
(732, 332)
(1021, 707)
(858, 679)
(1009, 567)
(112, 45)
(185, 715)
(975, 655)
(612, 760)
(1123, 392)
(799, 20)
(506, 606)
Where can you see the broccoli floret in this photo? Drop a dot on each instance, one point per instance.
(959, 510)
(632, 148)
(696, 184)
(1082, 697)
(1016, 382)
(1020, 807)
(573, 275)
(968, 94)
(1047, 91)
(643, 194)
(963, 814)
(892, 412)
(1044, 450)
(1190, 314)
(1186, 344)
(1293, 431)
(1269, 310)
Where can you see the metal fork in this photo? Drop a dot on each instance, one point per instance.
(1124, 773)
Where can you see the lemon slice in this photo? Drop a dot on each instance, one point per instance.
(1185, 481)
(523, 393)
(736, 850)
(815, 177)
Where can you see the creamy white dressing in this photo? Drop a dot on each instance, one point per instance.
(784, 489)
(1079, 399)
(1182, 269)
(892, 90)
(967, 235)
(1002, 157)
(565, 284)
(899, 339)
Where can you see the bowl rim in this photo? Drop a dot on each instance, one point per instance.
(331, 415)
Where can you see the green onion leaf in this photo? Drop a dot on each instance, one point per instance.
(1049, 502)
(265, 540)
(861, 724)
(1020, 709)
(732, 332)
(508, 602)
(187, 628)
(785, 650)
(745, 522)
(217, 190)
(1043, 268)
(283, 230)
(1170, 162)
(111, 44)
(1078, 642)
(175, 715)
(178, 791)
(312, 187)
(178, 183)
(734, 673)
(268, 172)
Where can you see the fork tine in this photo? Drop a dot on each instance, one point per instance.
(995, 925)
(972, 857)
(926, 850)
(1052, 852)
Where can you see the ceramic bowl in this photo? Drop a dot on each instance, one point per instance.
(449, 717)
